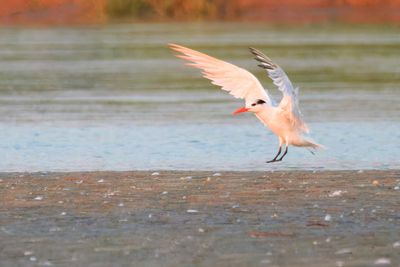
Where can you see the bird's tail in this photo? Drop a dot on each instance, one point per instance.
(312, 144)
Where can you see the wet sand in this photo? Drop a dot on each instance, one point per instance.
(329, 218)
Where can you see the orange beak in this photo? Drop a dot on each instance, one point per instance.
(240, 110)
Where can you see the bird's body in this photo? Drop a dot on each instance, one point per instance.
(284, 119)
(276, 120)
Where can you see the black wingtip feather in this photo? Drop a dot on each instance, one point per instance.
(260, 57)
(265, 67)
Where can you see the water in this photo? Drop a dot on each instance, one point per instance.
(114, 97)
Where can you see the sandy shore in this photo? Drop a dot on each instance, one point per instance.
(337, 218)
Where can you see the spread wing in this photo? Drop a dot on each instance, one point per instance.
(237, 81)
(290, 101)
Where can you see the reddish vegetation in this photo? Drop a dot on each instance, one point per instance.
(303, 11)
(52, 11)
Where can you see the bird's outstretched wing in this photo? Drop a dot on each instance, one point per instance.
(237, 81)
(290, 101)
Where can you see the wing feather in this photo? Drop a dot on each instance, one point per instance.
(290, 101)
(237, 81)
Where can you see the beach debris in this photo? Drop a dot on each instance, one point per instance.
(28, 253)
(55, 229)
(201, 230)
(382, 261)
(79, 182)
(265, 261)
(155, 174)
(63, 213)
(217, 174)
(150, 216)
(343, 251)
(45, 263)
(121, 204)
(328, 218)
(396, 244)
(192, 211)
(317, 223)
(375, 182)
(100, 181)
(337, 193)
(38, 198)
(397, 187)
(164, 193)
(33, 258)
(328, 239)
(256, 234)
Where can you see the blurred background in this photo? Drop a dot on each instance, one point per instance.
(103, 11)
(92, 85)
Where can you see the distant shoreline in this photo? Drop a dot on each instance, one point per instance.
(82, 12)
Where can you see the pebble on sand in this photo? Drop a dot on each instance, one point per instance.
(343, 251)
(382, 261)
(28, 253)
(38, 198)
(192, 211)
(328, 218)
(155, 174)
(337, 193)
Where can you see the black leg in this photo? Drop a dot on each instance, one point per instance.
(284, 154)
(279, 152)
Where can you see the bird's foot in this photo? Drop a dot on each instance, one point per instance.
(273, 160)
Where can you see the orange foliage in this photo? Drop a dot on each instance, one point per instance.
(296, 11)
(52, 11)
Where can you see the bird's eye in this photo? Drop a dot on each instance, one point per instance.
(260, 101)
(253, 104)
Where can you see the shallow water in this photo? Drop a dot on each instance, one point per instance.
(115, 98)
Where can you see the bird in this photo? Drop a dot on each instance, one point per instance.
(284, 119)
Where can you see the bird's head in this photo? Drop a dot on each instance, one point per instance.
(251, 106)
